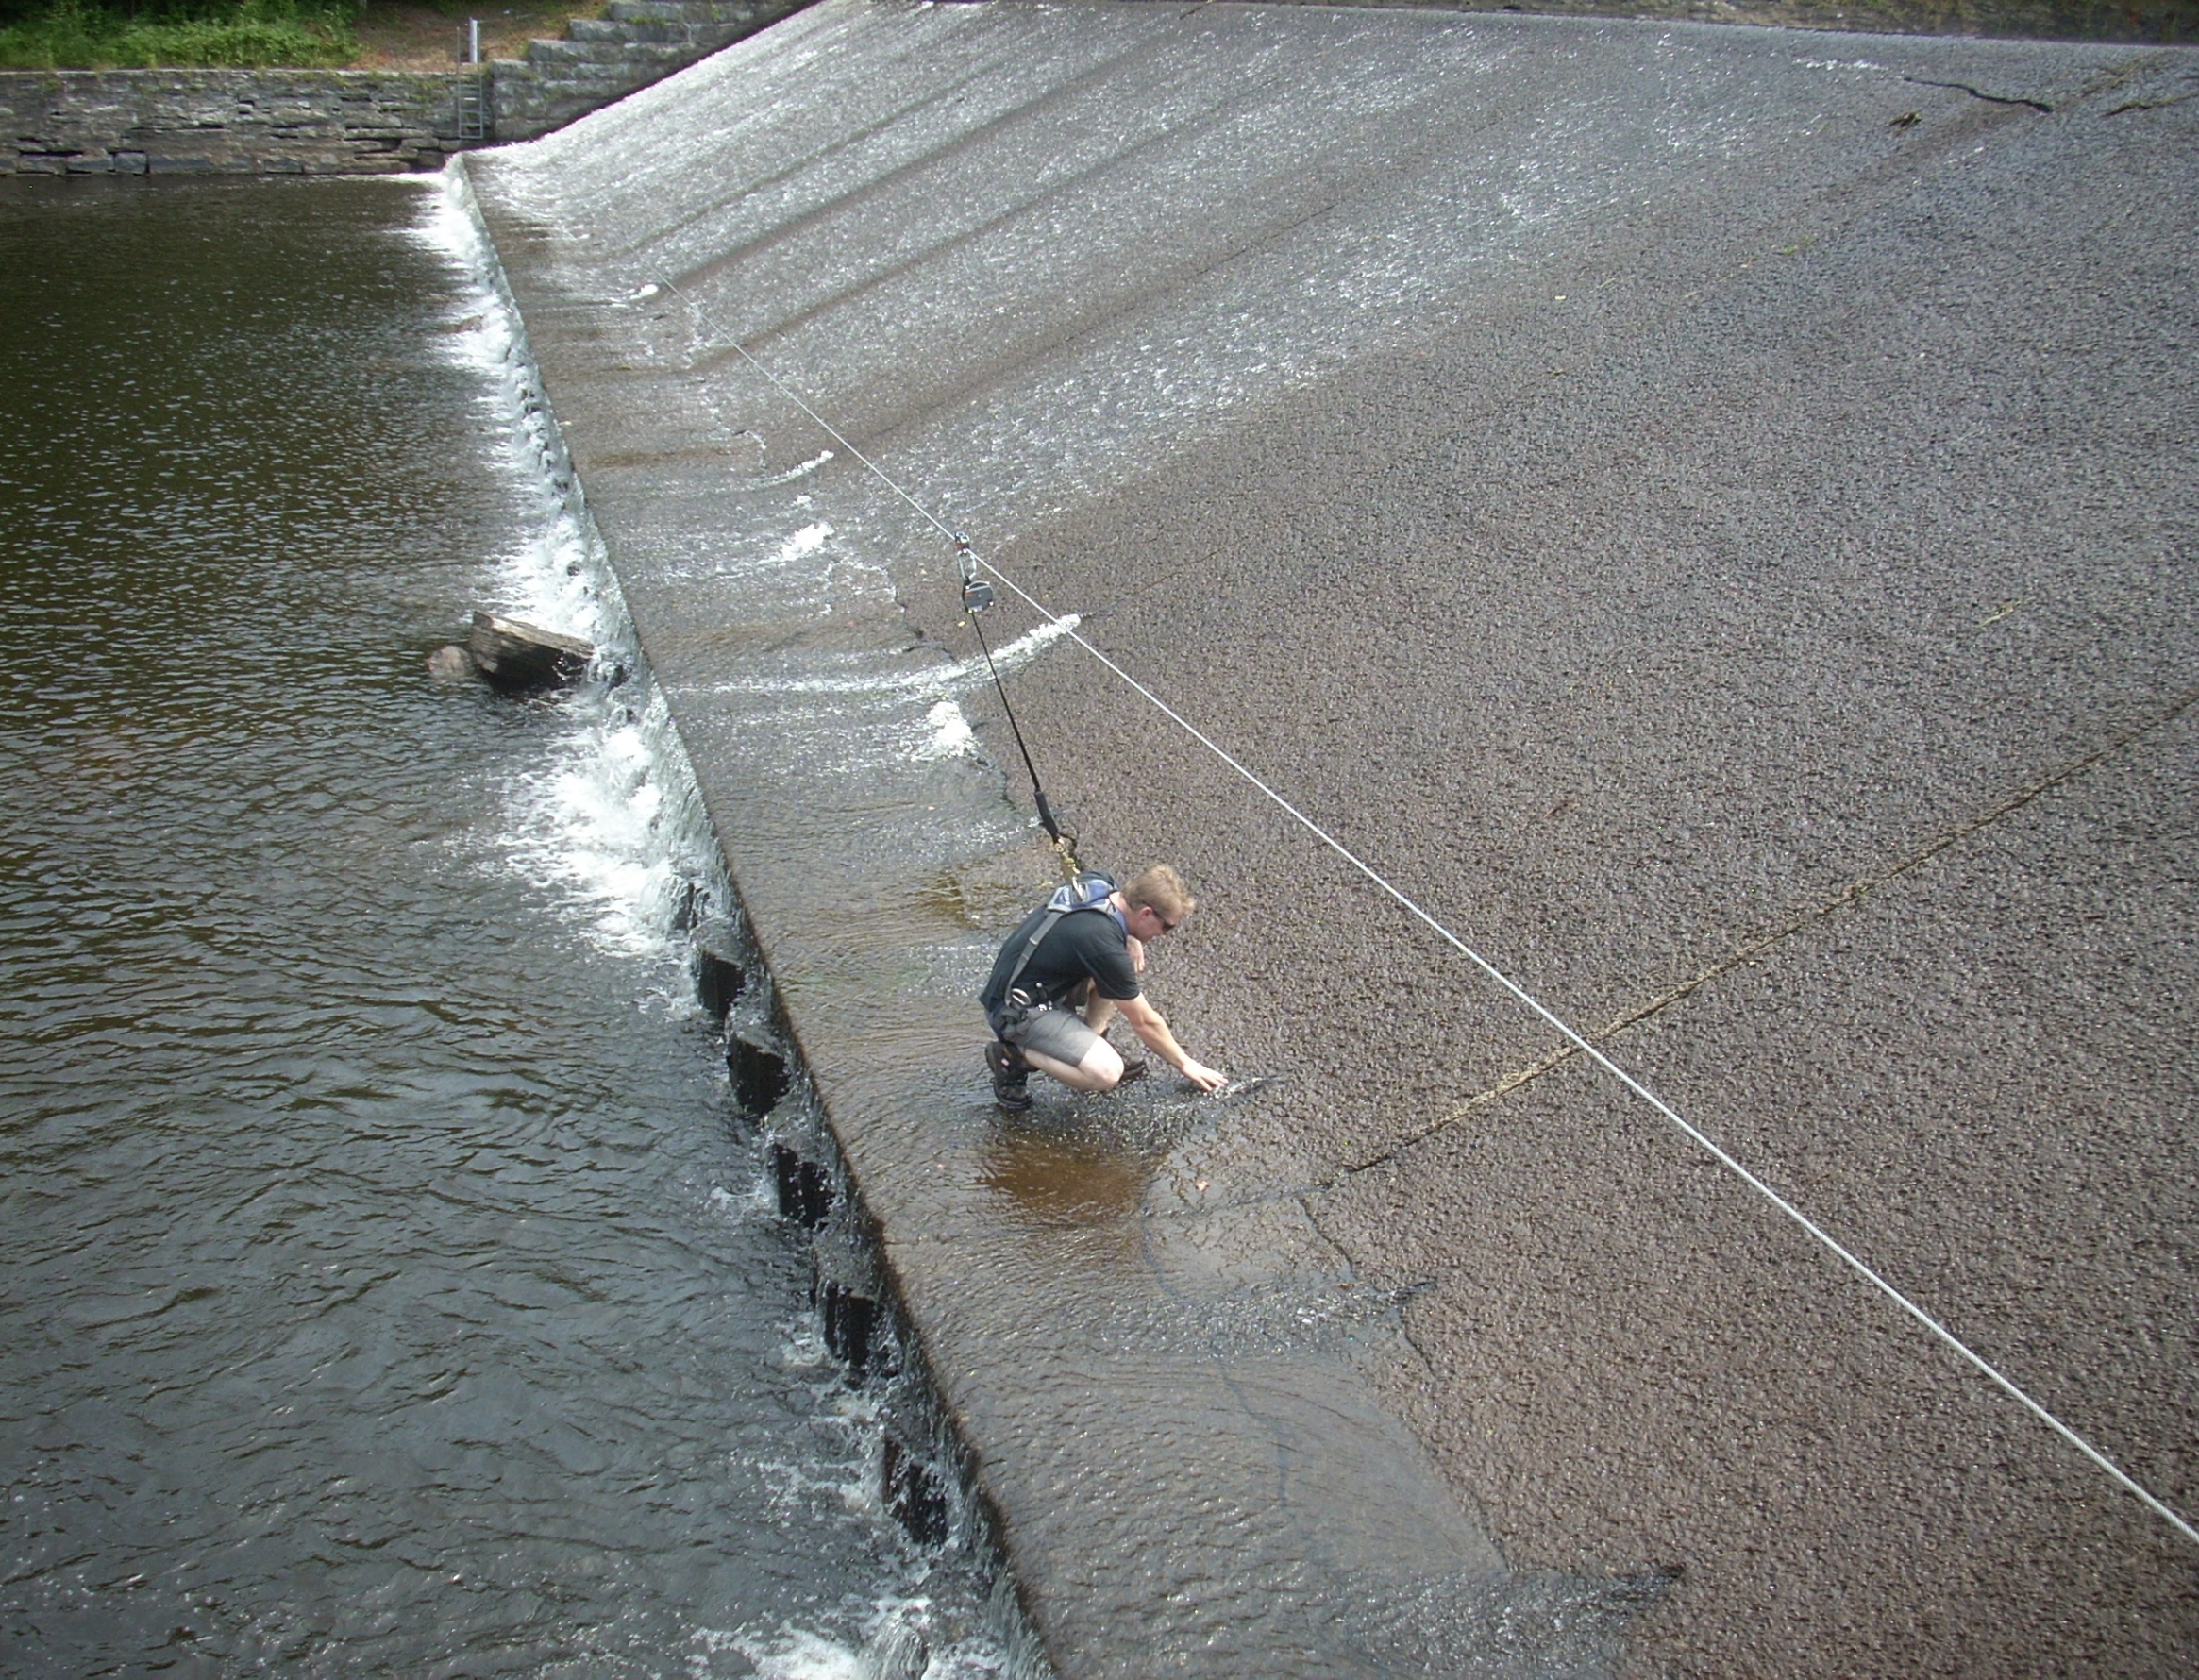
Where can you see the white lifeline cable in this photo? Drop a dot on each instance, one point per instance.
(1587, 1049)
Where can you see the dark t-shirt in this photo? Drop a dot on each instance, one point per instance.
(1083, 944)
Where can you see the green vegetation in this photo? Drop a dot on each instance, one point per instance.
(144, 34)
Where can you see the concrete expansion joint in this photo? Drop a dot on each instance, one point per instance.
(2130, 105)
(1752, 950)
(2036, 105)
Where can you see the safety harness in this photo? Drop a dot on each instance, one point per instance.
(1086, 890)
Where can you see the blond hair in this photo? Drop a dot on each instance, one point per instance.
(1161, 890)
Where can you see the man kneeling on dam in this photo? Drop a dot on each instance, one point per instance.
(1085, 949)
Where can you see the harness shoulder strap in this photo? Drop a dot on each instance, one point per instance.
(1055, 912)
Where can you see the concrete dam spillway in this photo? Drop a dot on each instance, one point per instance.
(1711, 516)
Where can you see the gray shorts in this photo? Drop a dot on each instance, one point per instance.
(1058, 1034)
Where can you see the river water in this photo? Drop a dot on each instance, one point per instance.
(387, 1284)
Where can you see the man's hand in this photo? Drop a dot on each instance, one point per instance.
(1137, 954)
(1145, 1020)
(1207, 1078)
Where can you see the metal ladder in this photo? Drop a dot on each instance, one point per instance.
(473, 91)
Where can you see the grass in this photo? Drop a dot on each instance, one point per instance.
(253, 34)
(241, 34)
(71, 35)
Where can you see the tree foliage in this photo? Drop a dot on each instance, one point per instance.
(141, 34)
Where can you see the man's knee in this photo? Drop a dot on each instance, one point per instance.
(1102, 1065)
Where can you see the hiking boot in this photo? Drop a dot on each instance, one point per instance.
(1011, 1075)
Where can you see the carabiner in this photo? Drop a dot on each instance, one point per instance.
(977, 595)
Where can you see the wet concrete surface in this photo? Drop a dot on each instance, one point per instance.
(1710, 514)
(2167, 21)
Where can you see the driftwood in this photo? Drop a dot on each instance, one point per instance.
(515, 656)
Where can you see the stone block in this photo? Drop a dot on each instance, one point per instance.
(557, 53)
(650, 59)
(680, 34)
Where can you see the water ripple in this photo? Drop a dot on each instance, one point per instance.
(383, 1287)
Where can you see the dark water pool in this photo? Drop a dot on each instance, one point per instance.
(386, 1284)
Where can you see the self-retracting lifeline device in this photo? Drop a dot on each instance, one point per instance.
(977, 595)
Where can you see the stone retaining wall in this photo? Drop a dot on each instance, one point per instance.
(229, 122)
(634, 44)
(352, 121)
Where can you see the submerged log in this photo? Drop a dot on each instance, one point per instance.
(516, 656)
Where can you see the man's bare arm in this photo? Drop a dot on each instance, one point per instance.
(1146, 1022)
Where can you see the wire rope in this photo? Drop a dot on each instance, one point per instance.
(1824, 1238)
(1064, 843)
